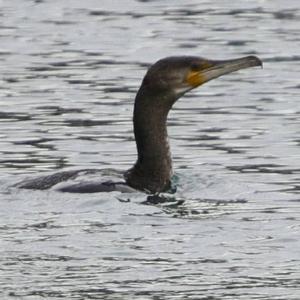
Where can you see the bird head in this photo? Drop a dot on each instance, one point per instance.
(179, 74)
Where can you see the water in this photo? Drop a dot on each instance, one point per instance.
(69, 73)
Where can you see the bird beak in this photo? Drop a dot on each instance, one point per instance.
(216, 68)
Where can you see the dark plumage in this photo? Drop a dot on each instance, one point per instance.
(164, 83)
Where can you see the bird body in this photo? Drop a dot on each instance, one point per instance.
(164, 83)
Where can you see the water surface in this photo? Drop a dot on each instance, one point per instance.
(69, 74)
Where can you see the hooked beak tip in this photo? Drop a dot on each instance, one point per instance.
(256, 61)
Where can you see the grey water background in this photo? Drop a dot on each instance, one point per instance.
(69, 71)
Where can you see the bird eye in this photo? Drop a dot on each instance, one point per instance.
(195, 67)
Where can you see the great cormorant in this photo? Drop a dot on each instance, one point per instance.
(164, 83)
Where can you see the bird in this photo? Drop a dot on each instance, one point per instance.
(164, 83)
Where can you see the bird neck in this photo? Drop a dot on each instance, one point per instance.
(153, 170)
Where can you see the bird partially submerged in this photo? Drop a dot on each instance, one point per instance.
(164, 83)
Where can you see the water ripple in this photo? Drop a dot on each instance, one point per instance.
(69, 74)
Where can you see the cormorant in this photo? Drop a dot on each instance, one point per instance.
(164, 83)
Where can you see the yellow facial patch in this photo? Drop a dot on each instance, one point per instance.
(195, 78)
